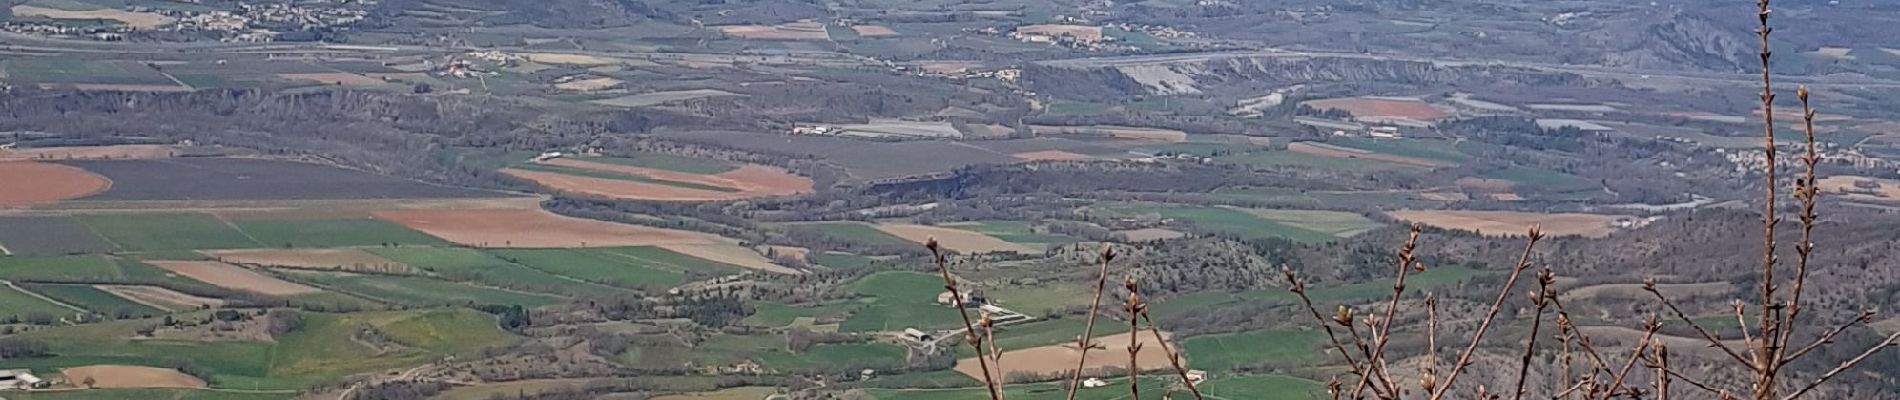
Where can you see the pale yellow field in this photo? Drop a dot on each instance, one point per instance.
(1513, 222)
(954, 239)
(138, 20)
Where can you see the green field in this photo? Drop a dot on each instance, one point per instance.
(899, 300)
(1322, 295)
(143, 232)
(629, 267)
(1230, 221)
(1435, 150)
(841, 260)
(324, 348)
(1335, 223)
(333, 233)
(1548, 180)
(419, 291)
(49, 70)
(859, 232)
(90, 298)
(1229, 351)
(1263, 387)
(321, 349)
(1033, 299)
(620, 176)
(17, 304)
(89, 269)
(778, 315)
(714, 350)
(469, 265)
(874, 355)
(1050, 332)
(1294, 159)
(669, 162)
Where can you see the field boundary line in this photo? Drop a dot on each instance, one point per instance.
(134, 299)
(551, 273)
(240, 231)
(43, 297)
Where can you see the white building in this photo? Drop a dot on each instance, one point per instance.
(1094, 383)
(19, 379)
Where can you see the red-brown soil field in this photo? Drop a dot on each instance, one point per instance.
(28, 183)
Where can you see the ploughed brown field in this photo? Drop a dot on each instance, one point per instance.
(874, 30)
(337, 259)
(1327, 150)
(131, 376)
(746, 182)
(1513, 222)
(532, 228)
(1378, 107)
(233, 277)
(1046, 360)
(958, 240)
(27, 183)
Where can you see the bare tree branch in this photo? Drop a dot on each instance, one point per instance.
(1464, 359)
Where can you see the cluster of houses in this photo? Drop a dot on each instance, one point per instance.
(246, 22)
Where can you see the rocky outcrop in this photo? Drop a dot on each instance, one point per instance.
(1197, 75)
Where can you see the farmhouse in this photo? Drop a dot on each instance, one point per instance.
(19, 379)
(1094, 383)
(919, 336)
(971, 298)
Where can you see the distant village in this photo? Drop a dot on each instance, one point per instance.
(247, 22)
